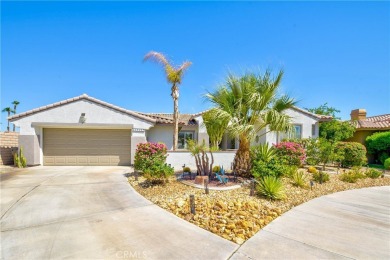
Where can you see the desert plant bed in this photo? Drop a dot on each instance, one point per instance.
(234, 214)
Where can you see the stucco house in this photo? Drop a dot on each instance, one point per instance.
(366, 126)
(86, 131)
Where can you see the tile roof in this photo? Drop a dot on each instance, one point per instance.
(82, 97)
(160, 118)
(304, 111)
(167, 118)
(374, 122)
(319, 117)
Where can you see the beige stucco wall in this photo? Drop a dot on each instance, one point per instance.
(164, 134)
(296, 118)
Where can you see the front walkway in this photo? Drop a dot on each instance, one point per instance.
(350, 224)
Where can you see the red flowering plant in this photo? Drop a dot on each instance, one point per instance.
(150, 159)
(290, 152)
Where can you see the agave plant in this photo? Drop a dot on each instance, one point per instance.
(272, 188)
(299, 179)
(263, 152)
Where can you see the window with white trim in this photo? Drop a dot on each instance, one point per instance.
(183, 137)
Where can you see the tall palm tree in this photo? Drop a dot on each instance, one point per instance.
(15, 103)
(9, 111)
(174, 76)
(251, 103)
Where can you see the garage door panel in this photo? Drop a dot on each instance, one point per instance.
(86, 147)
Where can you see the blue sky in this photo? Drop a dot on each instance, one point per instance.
(335, 52)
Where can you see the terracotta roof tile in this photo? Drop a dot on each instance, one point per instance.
(374, 122)
(167, 118)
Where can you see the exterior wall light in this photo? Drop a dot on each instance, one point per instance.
(82, 118)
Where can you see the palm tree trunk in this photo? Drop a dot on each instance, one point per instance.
(175, 97)
(9, 113)
(14, 114)
(242, 163)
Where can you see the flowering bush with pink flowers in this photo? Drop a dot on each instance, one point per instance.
(291, 153)
(148, 155)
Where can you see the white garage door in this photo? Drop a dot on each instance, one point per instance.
(86, 146)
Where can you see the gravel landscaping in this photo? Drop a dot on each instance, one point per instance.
(233, 214)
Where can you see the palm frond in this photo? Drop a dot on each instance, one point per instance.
(184, 66)
(156, 57)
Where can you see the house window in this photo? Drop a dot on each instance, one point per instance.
(313, 130)
(297, 132)
(183, 137)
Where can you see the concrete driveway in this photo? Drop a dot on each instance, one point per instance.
(93, 213)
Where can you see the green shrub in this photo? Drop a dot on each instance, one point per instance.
(383, 157)
(378, 144)
(387, 164)
(216, 168)
(274, 167)
(373, 173)
(353, 153)
(353, 175)
(320, 177)
(186, 169)
(299, 179)
(312, 169)
(312, 147)
(271, 187)
(158, 172)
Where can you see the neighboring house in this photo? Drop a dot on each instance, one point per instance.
(366, 126)
(87, 131)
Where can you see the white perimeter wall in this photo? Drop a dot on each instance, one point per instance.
(177, 159)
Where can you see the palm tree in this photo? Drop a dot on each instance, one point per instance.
(9, 111)
(15, 103)
(174, 76)
(251, 103)
(215, 128)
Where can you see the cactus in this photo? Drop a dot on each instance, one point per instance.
(20, 160)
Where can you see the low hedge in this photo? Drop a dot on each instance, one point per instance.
(354, 154)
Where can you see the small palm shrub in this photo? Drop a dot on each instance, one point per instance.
(320, 177)
(216, 168)
(271, 187)
(312, 169)
(387, 164)
(186, 169)
(373, 173)
(353, 175)
(299, 179)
